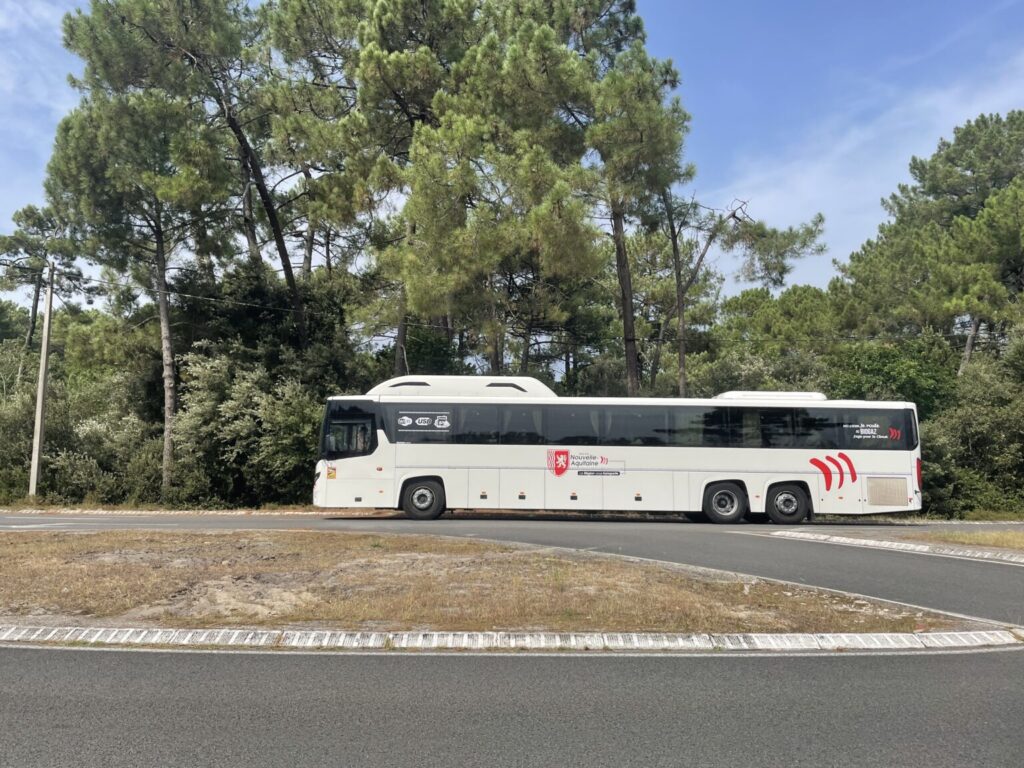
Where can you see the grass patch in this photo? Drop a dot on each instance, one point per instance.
(995, 516)
(355, 581)
(1001, 539)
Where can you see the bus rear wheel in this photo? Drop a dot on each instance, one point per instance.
(787, 504)
(423, 500)
(725, 503)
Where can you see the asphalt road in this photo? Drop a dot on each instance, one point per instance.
(986, 590)
(114, 708)
(96, 708)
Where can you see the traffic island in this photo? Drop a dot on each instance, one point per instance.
(295, 589)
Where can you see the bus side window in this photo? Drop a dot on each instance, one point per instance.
(572, 425)
(744, 428)
(816, 429)
(686, 425)
(776, 426)
(716, 428)
(476, 424)
(636, 425)
(521, 425)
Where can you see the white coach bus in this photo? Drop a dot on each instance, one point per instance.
(425, 444)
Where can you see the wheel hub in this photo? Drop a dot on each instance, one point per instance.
(724, 503)
(787, 503)
(422, 498)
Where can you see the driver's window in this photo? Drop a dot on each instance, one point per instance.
(350, 437)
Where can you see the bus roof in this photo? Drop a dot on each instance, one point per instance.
(512, 389)
(463, 386)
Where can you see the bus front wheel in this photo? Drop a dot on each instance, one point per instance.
(725, 503)
(787, 504)
(423, 500)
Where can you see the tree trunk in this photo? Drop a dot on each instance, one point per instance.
(567, 363)
(33, 314)
(524, 360)
(497, 356)
(327, 250)
(682, 350)
(969, 346)
(251, 158)
(307, 253)
(626, 301)
(248, 219)
(656, 357)
(681, 288)
(167, 351)
(308, 240)
(401, 367)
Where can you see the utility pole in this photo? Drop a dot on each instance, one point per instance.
(44, 358)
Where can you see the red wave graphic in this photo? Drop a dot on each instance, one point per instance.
(839, 469)
(825, 471)
(849, 464)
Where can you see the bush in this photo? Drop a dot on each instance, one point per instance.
(973, 449)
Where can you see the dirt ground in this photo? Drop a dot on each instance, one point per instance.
(338, 580)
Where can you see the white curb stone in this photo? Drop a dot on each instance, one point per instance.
(905, 546)
(505, 641)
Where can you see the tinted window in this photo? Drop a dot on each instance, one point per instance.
(520, 425)
(686, 425)
(676, 425)
(420, 422)
(476, 424)
(817, 429)
(715, 431)
(637, 425)
(572, 425)
(776, 428)
(880, 430)
(745, 428)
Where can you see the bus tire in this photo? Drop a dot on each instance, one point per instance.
(725, 502)
(423, 499)
(787, 504)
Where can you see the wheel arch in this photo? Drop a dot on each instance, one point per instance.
(719, 480)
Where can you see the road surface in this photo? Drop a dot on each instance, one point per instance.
(121, 708)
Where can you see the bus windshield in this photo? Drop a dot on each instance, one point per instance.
(349, 429)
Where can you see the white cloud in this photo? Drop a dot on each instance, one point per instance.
(34, 95)
(31, 15)
(846, 163)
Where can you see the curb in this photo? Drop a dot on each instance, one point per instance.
(906, 546)
(76, 511)
(502, 641)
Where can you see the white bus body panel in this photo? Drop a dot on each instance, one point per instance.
(643, 479)
(617, 478)
(472, 480)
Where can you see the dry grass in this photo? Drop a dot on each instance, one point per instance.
(1001, 539)
(359, 581)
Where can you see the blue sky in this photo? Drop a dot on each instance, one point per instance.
(797, 106)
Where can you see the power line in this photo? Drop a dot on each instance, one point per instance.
(589, 340)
